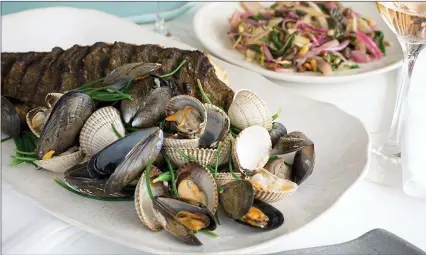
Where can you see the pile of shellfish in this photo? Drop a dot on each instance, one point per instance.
(201, 158)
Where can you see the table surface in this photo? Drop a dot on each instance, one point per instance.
(28, 229)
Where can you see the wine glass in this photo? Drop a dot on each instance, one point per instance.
(408, 21)
(160, 22)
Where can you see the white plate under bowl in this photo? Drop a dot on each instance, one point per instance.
(211, 28)
(341, 144)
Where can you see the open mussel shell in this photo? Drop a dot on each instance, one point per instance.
(98, 131)
(143, 202)
(62, 162)
(36, 118)
(304, 159)
(217, 126)
(124, 160)
(195, 182)
(79, 179)
(275, 217)
(248, 109)
(252, 149)
(166, 210)
(10, 123)
(62, 128)
(236, 198)
(125, 73)
(277, 131)
(190, 128)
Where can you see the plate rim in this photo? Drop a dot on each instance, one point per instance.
(281, 76)
(249, 249)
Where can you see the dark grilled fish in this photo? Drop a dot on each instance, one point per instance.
(29, 76)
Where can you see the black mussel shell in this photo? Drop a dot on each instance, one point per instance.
(217, 127)
(277, 131)
(304, 159)
(167, 219)
(132, 71)
(10, 123)
(80, 180)
(276, 218)
(161, 82)
(236, 198)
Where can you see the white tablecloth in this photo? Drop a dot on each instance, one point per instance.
(28, 229)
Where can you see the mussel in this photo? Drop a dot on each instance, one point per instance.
(183, 217)
(10, 123)
(195, 182)
(277, 131)
(61, 130)
(237, 200)
(217, 126)
(133, 71)
(304, 159)
(120, 163)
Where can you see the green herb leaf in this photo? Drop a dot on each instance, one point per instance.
(116, 132)
(148, 178)
(300, 13)
(203, 94)
(209, 233)
(163, 177)
(172, 173)
(276, 115)
(6, 139)
(355, 66)
(335, 21)
(174, 71)
(287, 164)
(231, 170)
(378, 35)
(288, 44)
(274, 37)
(254, 47)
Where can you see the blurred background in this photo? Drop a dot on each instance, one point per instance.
(138, 12)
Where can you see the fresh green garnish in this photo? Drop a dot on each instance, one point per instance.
(254, 47)
(192, 159)
(378, 35)
(209, 233)
(217, 160)
(276, 115)
(355, 66)
(300, 13)
(257, 17)
(172, 173)
(25, 149)
(174, 71)
(287, 164)
(163, 177)
(203, 94)
(288, 43)
(116, 132)
(6, 139)
(274, 37)
(231, 170)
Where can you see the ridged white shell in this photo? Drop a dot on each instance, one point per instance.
(30, 116)
(202, 156)
(143, 202)
(172, 142)
(204, 180)
(97, 133)
(248, 109)
(252, 149)
(224, 178)
(179, 102)
(60, 164)
(52, 98)
(218, 124)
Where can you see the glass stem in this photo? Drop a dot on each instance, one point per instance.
(392, 146)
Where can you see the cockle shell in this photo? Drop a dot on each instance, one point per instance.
(143, 202)
(52, 98)
(179, 102)
(62, 162)
(224, 178)
(252, 149)
(36, 119)
(173, 141)
(248, 109)
(97, 133)
(202, 156)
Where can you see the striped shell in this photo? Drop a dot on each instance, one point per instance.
(248, 109)
(97, 133)
(203, 179)
(179, 102)
(143, 202)
(61, 163)
(202, 156)
(224, 178)
(38, 112)
(174, 142)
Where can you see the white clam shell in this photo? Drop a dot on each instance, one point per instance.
(248, 109)
(252, 148)
(97, 133)
(61, 163)
(30, 117)
(173, 142)
(224, 178)
(143, 202)
(52, 98)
